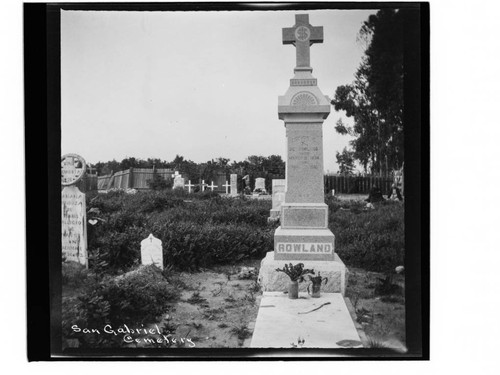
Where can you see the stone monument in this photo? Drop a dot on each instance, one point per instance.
(260, 183)
(303, 235)
(73, 210)
(178, 182)
(152, 252)
(234, 184)
(278, 195)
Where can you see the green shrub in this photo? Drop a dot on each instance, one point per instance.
(73, 274)
(197, 230)
(369, 239)
(135, 298)
(159, 183)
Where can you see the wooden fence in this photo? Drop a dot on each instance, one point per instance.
(87, 183)
(137, 178)
(357, 184)
(133, 178)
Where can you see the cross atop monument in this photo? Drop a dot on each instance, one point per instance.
(302, 36)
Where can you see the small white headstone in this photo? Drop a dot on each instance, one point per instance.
(260, 183)
(178, 182)
(278, 193)
(152, 252)
(234, 184)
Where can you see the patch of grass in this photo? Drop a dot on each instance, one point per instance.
(250, 298)
(386, 286)
(392, 299)
(168, 328)
(196, 299)
(197, 325)
(375, 344)
(254, 288)
(242, 332)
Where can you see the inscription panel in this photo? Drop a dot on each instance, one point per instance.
(304, 164)
(74, 225)
(303, 82)
(304, 152)
(304, 218)
(303, 248)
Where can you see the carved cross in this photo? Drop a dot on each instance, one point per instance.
(302, 36)
(212, 186)
(227, 185)
(189, 186)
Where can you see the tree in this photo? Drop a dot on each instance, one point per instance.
(375, 99)
(345, 160)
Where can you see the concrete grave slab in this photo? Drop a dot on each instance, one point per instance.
(281, 321)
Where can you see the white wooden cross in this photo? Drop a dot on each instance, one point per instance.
(226, 186)
(203, 184)
(212, 186)
(189, 186)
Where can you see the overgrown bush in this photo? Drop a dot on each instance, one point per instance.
(197, 230)
(159, 183)
(372, 239)
(73, 274)
(203, 229)
(134, 298)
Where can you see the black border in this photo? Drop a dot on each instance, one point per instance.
(42, 133)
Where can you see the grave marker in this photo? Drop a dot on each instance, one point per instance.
(279, 186)
(212, 186)
(73, 210)
(303, 235)
(178, 182)
(226, 185)
(189, 186)
(260, 183)
(234, 184)
(152, 252)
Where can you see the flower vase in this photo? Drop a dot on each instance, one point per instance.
(293, 289)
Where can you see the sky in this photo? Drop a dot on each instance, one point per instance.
(198, 84)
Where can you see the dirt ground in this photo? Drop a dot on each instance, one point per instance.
(216, 309)
(382, 315)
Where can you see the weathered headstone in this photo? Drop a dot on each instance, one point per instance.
(73, 210)
(278, 192)
(234, 184)
(303, 235)
(260, 184)
(152, 251)
(178, 182)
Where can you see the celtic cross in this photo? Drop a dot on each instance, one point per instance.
(302, 36)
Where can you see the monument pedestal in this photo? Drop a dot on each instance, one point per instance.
(272, 281)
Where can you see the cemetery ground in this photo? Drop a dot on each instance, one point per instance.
(207, 295)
